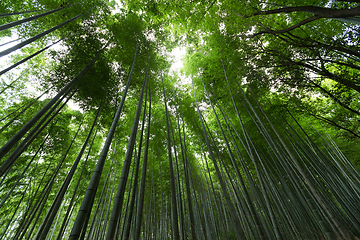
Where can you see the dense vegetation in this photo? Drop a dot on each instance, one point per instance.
(257, 137)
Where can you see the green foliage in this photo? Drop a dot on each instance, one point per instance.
(285, 101)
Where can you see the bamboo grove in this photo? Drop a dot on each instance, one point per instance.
(256, 138)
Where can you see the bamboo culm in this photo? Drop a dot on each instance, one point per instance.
(27, 58)
(6, 148)
(42, 234)
(24, 20)
(174, 211)
(38, 36)
(119, 197)
(88, 199)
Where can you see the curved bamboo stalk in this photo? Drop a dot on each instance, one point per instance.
(6, 148)
(18, 13)
(240, 178)
(40, 204)
(32, 198)
(186, 172)
(10, 84)
(122, 221)
(28, 58)
(12, 217)
(23, 173)
(119, 198)
(88, 199)
(28, 19)
(6, 43)
(19, 113)
(178, 188)
(38, 36)
(174, 211)
(95, 214)
(36, 131)
(49, 218)
(71, 204)
(143, 176)
(235, 221)
(340, 233)
(135, 185)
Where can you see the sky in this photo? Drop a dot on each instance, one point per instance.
(177, 54)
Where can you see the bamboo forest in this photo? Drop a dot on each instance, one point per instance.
(184, 119)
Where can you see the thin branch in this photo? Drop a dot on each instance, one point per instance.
(18, 13)
(333, 124)
(335, 98)
(356, 1)
(317, 11)
(303, 22)
(212, 4)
